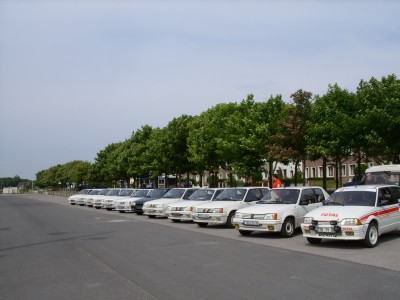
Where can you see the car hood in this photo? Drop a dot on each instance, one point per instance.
(166, 200)
(221, 204)
(267, 208)
(188, 203)
(328, 212)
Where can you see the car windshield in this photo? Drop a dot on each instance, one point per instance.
(140, 193)
(103, 192)
(382, 178)
(352, 198)
(174, 193)
(83, 192)
(202, 195)
(157, 193)
(281, 196)
(231, 195)
(127, 192)
(113, 192)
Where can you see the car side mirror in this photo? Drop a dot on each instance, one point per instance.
(303, 202)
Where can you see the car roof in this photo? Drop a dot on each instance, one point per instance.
(384, 168)
(365, 187)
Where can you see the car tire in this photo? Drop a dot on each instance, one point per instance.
(97, 207)
(202, 224)
(151, 216)
(371, 237)
(314, 241)
(245, 232)
(139, 213)
(288, 228)
(121, 211)
(175, 220)
(229, 221)
(109, 209)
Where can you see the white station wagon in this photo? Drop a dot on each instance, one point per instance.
(281, 210)
(223, 208)
(361, 212)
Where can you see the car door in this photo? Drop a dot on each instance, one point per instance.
(307, 195)
(388, 207)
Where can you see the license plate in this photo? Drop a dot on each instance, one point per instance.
(151, 211)
(250, 222)
(203, 216)
(326, 229)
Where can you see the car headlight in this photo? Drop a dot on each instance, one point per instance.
(308, 220)
(238, 215)
(217, 210)
(189, 208)
(350, 221)
(159, 205)
(271, 217)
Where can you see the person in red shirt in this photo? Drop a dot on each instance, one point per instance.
(276, 183)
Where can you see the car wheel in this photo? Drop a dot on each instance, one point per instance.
(109, 209)
(139, 213)
(245, 232)
(288, 228)
(97, 207)
(151, 216)
(314, 241)
(371, 237)
(229, 221)
(121, 211)
(202, 224)
(72, 203)
(175, 220)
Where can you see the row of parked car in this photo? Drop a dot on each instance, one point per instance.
(361, 212)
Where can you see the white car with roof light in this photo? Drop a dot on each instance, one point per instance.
(125, 204)
(181, 211)
(361, 212)
(72, 199)
(223, 208)
(281, 210)
(158, 207)
(110, 201)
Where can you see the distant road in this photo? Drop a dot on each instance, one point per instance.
(52, 250)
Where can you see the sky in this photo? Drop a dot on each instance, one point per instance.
(76, 76)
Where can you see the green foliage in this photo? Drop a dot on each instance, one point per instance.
(242, 137)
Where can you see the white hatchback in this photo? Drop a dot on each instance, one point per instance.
(125, 204)
(361, 212)
(158, 207)
(222, 209)
(281, 210)
(181, 211)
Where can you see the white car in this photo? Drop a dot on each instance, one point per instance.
(82, 200)
(89, 198)
(98, 202)
(181, 211)
(158, 207)
(72, 199)
(125, 204)
(282, 210)
(110, 201)
(361, 212)
(223, 208)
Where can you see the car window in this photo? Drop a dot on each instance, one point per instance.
(308, 195)
(187, 194)
(319, 195)
(253, 195)
(385, 197)
(395, 194)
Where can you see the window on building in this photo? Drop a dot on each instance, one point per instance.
(343, 170)
(320, 171)
(313, 173)
(307, 171)
(284, 173)
(352, 169)
(330, 171)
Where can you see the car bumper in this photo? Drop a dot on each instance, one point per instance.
(345, 233)
(123, 208)
(210, 218)
(258, 225)
(182, 216)
(159, 212)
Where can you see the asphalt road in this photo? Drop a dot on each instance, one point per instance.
(52, 250)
